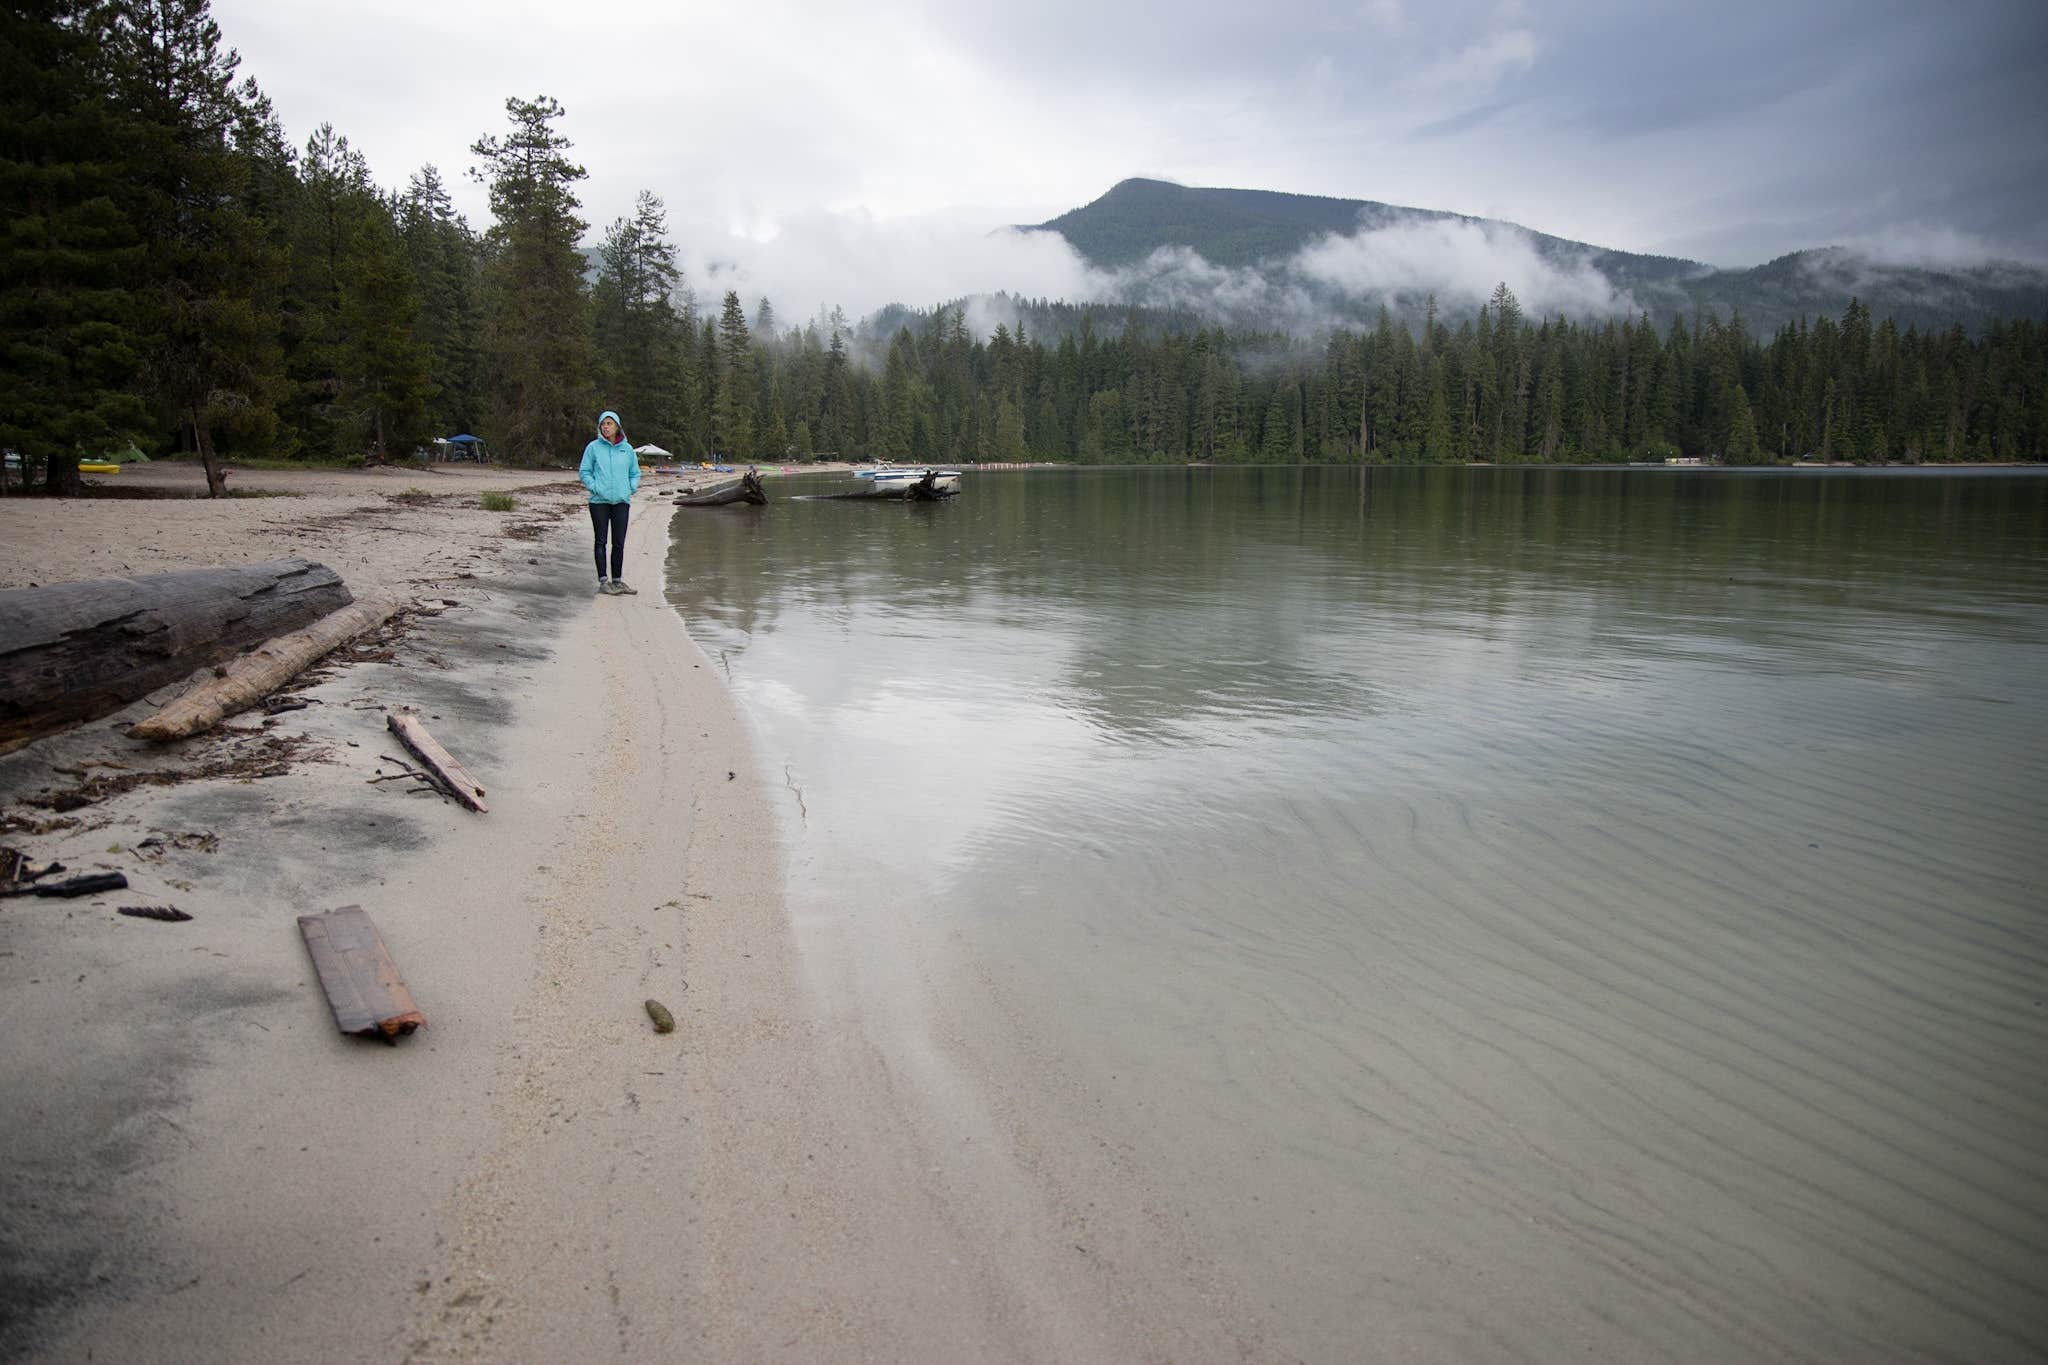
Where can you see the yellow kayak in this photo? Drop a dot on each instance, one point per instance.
(95, 467)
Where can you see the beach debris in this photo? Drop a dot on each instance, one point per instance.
(156, 845)
(664, 1022)
(268, 756)
(92, 883)
(70, 652)
(246, 681)
(18, 875)
(169, 914)
(440, 764)
(362, 983)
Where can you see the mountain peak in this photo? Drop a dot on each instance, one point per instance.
(1266, 232)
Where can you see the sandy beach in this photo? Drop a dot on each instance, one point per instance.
(200, 1166)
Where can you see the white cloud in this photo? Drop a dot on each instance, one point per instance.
(1932, 246)
(860, 262)
(1461, 262)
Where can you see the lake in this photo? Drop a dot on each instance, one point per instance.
(1471, 913)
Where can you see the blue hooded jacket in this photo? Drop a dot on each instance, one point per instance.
(610, 469)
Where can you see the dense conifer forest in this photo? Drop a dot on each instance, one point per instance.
(175, 274)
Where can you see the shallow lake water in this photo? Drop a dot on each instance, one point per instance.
(1485, 913)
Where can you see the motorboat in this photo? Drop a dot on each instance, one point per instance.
(901, 479)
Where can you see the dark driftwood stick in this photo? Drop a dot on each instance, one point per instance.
(73, 651)
(439, 761)
(91, 884)
(262, 671)
(362, 982)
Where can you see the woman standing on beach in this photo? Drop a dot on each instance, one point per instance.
(611, 471)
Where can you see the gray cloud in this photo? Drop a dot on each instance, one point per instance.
(822, 154)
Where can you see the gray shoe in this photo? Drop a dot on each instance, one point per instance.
(624, 589)
(604, 587)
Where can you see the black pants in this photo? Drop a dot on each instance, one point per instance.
(609, 518)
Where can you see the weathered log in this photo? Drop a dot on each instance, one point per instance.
(439, 761)
(262, 671)
(71, 652)
(362, 983)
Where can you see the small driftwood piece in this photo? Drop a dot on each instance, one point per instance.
(254, 676)
(439, 762)
(362, 982)
(70, 652)
(92, 883)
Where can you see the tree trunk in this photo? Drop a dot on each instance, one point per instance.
(61, 478)
(262, 671)
(202, 436)
(74, 651)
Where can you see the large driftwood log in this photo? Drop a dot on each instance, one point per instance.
(73, 651)
(450, 774)
(262, 671)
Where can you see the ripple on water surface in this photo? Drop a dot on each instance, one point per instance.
(1487, 916)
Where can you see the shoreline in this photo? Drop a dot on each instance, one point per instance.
(205, 1168)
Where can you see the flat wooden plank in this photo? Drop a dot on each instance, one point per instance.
(454, 780)
(362, 982)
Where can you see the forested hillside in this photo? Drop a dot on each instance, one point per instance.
(1265, 233)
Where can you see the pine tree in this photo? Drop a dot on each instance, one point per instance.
(217, 365)
(733, 419)
(636, 328)
(69, 317)
(1741, 446)
(358, 371)
(536, 319)
(442, 254)
(836, 433)
(1438, 439)
(386, 375)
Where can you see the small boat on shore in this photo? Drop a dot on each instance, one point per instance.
(901, 485)
(746, 488)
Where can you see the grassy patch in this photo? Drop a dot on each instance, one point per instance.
(415, 497)
(498, 502)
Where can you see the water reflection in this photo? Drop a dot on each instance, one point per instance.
(1488, 870)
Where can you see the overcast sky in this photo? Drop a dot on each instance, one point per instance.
(858, 154)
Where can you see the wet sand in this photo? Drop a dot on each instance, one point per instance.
(201, 1167)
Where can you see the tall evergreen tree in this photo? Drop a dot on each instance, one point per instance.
(536, 319)
(636, 328)
(68, 253)
(733, 421)
(216, 364)
(442, 255)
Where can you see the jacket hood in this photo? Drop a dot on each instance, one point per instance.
(615, 417)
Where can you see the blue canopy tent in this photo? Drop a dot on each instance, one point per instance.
(463, 447)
